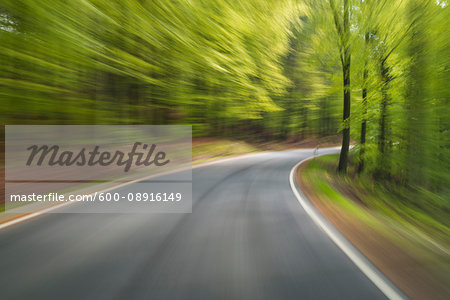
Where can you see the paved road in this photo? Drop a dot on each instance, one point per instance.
(246, 238)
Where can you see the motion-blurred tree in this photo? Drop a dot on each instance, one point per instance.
(266, 69)
(343, 31)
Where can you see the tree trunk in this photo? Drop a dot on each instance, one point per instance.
(362, 139)
(343, 158)
(383, 139)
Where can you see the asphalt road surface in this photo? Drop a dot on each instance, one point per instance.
(246, 238)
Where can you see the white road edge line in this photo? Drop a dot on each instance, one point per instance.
(194, 166)
(387, 288)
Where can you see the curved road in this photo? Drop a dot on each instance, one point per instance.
(246, 238)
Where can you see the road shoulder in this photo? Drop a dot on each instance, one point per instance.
(400, 267)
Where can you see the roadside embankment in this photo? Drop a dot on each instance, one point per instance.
(408, 243)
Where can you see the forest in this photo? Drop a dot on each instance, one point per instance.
(373, 71)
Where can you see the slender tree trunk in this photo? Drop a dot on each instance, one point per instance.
(382, 136)
(363, 132)
(364, 113)
(383, 167)
(343, 158)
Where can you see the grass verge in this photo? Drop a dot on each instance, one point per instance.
(404, 232)
(205, 149)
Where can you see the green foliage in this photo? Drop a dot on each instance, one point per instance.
(266, 69)
(416, 213)
(97, 61)
(406, 59)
